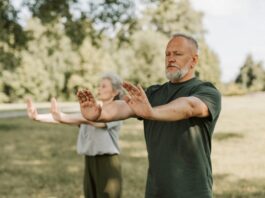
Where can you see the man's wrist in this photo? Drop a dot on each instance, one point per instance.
(152, 114)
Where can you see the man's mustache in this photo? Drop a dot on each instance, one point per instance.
(173, 65)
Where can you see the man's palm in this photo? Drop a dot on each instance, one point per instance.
(88, 106)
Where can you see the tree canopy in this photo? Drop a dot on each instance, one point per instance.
(66, 44)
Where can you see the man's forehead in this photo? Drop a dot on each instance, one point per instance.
(179, 44)
(178, 41)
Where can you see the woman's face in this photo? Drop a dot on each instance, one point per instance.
(105, 90)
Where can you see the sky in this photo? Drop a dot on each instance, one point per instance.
(235, 28)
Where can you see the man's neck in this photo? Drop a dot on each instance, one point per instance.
(183, 79)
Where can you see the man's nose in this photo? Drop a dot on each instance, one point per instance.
(171, 58)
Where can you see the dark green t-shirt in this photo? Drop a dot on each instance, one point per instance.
(179, 151)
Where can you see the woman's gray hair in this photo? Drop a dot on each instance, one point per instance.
(116, 82)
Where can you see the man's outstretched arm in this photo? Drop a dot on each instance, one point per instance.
(178, 109)
(181, 108)
(116, 110)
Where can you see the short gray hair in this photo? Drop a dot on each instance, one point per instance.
(116, 82)
(192, 40)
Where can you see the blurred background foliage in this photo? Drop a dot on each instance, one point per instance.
(66, 44)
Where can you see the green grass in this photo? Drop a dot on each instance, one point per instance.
(40, 161)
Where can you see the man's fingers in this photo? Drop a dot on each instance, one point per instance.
(132, 90)
(81, 96)
(142, 92)
(85, 95)
(89, 96)
(126, 98)
(130, 87)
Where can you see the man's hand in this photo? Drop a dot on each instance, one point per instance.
(31, 110)
(88, 106)
(55, 111)
(138, 101)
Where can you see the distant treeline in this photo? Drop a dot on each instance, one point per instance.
(66, 45)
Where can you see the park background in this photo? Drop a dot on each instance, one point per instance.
(52, 48)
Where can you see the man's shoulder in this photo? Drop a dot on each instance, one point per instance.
(202, 84)
(154, 88)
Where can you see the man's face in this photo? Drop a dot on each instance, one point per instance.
(179, 59)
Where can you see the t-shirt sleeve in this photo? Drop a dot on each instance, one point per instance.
(113, 124)
(211, 97)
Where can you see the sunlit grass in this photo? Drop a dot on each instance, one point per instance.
(40, 161)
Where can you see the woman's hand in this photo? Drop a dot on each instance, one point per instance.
(55, 111)
(31, 110)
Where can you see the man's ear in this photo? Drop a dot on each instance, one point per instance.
(195, 60)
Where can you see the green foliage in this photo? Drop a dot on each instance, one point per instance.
(23, 82)
(143, 61)
(49, 11)
(73, 42)
(113, 17)
(102, 17)
(9, 58)
(3, 95)
(174, 16)
(251, 76)
(11, 31)
(12, 36)
(93, 62)
(208, 68)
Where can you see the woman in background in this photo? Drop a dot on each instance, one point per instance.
(98, 142)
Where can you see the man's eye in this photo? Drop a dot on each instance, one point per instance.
(177, 54)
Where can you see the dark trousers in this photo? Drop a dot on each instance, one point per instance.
(102, 178)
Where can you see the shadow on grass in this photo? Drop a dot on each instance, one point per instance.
(7, 127)
(220, 136)
(225, 187)
(12, 125)
(44, 181)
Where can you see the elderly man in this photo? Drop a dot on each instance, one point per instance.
(179, 118)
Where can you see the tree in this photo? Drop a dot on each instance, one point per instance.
(143, 61)
(12, 33)
(12, 37)
(173, 16)
(251, 75)
(43, 66)
(67, 43)
(208, 67)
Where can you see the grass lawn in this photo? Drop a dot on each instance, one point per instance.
(40, 161)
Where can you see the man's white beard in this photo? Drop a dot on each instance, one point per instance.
(179, 74)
